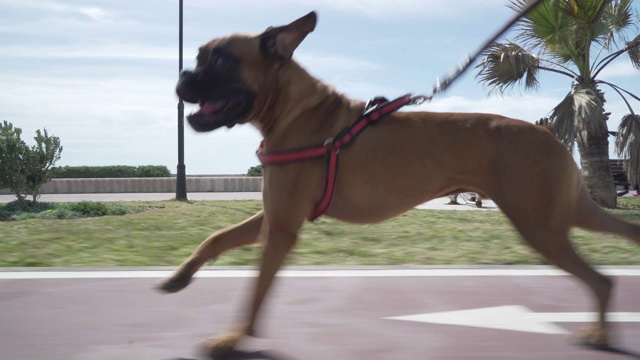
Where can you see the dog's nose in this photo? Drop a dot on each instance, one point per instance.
(187, 87)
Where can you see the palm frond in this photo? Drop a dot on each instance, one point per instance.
(588, 27)
(506, 65)
(544, 28)
(632, 48)
(583, 12)
(617, 18)
(620, 92)
(634, 52)
(566, 30)
(594, 21)
(546, 123)
(628, 146)
(580, 111)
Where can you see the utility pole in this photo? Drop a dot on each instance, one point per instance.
(181, 180)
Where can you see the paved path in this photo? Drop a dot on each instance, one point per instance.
(520, 313)
(436, 204)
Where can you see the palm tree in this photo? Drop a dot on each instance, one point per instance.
(577, 39)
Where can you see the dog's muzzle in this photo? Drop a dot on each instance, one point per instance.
(188, 87)
(220, 104)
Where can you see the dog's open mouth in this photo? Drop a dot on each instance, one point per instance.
(212, 107)
(213, 114)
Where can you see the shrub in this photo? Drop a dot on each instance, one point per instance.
(28, 206)
(255, 171)
(24, 169)
(25, 209)
(89, 208)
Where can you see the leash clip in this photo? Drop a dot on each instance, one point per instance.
(419, 99)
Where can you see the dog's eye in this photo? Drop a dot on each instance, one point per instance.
(221, 62)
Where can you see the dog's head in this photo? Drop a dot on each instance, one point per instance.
(231, 73)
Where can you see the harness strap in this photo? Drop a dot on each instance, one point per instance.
(375, 110)
(329, 186)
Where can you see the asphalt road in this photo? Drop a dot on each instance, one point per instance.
(477, 313)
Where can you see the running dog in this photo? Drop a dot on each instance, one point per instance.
(402, 161)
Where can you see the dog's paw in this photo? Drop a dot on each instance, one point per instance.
(594, 337)
(175, 283)
(222, 346)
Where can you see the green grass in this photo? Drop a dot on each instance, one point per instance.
(164, 233)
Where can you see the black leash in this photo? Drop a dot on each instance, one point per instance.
(464, 64)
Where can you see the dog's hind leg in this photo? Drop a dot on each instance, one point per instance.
(244, 233)
(563, 255)
(590, 216)
(549, 236)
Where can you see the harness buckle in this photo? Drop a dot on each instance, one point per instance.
(330, 145)
(373, 103)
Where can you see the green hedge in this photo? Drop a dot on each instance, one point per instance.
(255, 171)
(116, 171)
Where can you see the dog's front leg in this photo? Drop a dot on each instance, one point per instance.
(244, 233)
(278, 244)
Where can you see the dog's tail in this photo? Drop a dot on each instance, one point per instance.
(590, 216)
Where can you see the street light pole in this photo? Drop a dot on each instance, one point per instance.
(181, 179)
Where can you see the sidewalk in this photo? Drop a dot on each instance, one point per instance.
(435, 204)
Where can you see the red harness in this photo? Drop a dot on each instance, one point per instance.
(375, 111)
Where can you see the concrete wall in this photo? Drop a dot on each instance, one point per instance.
(151, 185)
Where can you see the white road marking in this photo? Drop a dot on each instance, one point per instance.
(514, 318)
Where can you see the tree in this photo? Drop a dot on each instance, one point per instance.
(12, 149)
(24, 169)
(576, 39)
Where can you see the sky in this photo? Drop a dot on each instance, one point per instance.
(101, 74)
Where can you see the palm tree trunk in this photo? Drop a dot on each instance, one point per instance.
(594, 158)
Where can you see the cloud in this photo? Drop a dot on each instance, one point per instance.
(398, 9)
(331, 62)
(93, 13)
(618, 70)
(96, 13)
(94, 51)
(528, 108)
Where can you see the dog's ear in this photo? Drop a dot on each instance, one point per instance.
(280, 42)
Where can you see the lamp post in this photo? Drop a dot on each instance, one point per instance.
(181, 179)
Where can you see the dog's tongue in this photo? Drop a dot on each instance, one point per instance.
(212, 107)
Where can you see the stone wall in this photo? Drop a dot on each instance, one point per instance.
(151, 185)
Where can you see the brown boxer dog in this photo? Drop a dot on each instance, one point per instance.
(394, 165)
